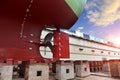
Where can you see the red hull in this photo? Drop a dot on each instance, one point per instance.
(29, 18)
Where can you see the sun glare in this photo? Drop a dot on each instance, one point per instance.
(116, 41)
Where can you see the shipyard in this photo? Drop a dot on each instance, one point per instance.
(44, 40)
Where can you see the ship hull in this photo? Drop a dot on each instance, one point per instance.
(21, 22)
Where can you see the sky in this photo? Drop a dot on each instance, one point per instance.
(100, 18)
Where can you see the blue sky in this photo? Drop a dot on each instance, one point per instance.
(101, 18)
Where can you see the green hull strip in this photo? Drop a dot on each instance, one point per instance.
(76, 5)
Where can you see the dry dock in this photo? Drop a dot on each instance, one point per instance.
(91, 77)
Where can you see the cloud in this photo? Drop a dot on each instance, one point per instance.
(103, 12)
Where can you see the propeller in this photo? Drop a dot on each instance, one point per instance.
(47, 41)
(48, 37)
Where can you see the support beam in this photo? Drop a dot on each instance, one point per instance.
(64, 70)
(6, 70)
(82, 68)
(38, 71)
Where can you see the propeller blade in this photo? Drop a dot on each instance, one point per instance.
(49, 44)
(48, 37)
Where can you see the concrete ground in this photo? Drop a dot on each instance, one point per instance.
(91, 77)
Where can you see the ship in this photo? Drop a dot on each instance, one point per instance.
(22, 21)
(33, 47)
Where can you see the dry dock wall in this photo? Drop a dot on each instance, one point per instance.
(115, 68)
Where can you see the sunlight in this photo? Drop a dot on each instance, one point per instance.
(116, 41)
